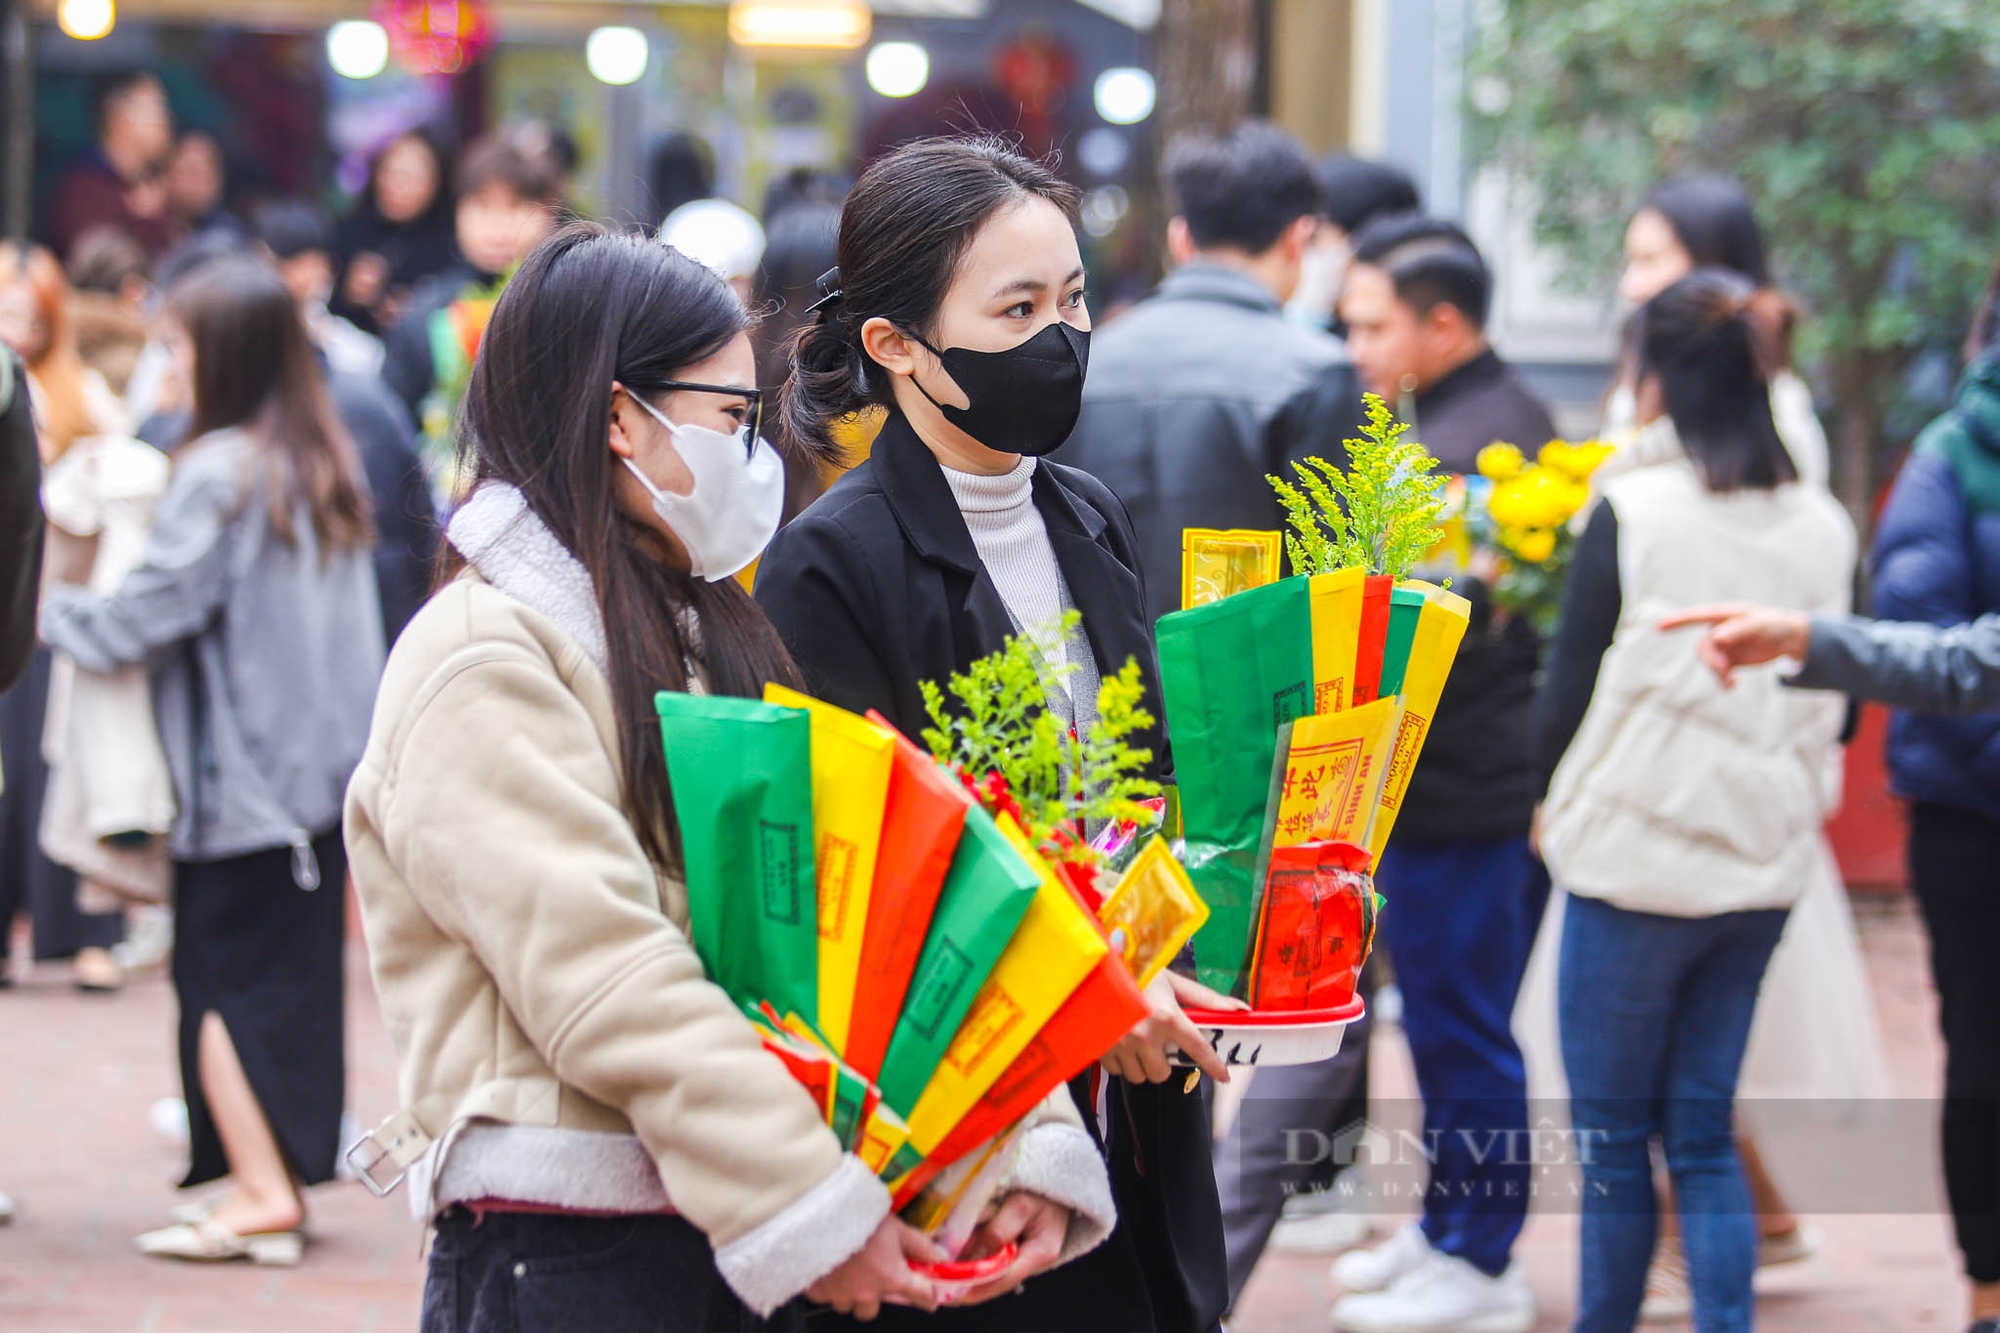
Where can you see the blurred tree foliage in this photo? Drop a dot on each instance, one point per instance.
(1867, 131)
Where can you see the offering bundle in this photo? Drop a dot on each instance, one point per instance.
(921, 941)
(1298, 708)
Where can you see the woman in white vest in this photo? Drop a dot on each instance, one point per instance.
(1682, 819)
(1815, 1037)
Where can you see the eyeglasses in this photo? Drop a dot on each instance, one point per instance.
(753, 428)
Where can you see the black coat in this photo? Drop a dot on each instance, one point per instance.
(1477, 777)
(877, 587)
(20, 522)
(406, 527)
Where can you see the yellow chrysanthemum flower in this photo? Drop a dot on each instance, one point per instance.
(1501, 461)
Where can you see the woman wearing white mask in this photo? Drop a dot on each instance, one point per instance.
(593, 1127)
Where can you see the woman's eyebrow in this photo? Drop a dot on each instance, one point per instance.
(1033, 285)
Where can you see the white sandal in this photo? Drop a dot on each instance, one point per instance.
(206, 1241)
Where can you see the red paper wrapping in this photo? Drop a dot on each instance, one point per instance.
(926, 813)
(1100, 1011)
(1375, 594)
(1317, 924)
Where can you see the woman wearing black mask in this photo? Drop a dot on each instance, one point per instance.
(959, 307)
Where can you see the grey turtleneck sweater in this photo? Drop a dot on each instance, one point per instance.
(1013, 544)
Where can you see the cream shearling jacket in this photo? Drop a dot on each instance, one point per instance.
(559, 1042)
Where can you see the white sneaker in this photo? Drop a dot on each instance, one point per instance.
(1443, 1295)
(1382, 1267)
(149, 939)
(1319, 1233)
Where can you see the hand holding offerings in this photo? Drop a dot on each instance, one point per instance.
(910, 934)
(1298, 710)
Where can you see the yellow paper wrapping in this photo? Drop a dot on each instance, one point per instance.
(1440, 629)
(881, 1135)
(1153, 912)
(851, 759)
(1215, 565)
(1335, 602)
(1052, 951)
(1334, 774)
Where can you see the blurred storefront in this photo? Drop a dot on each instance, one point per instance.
(301, 92)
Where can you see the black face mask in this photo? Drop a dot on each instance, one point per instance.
(1024, 400)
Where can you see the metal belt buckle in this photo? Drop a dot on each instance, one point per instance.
(392, 1146)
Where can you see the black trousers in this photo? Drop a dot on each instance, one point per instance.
(1955, 871)
(29, 881)
(527, 1273)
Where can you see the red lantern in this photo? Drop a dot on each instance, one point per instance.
(436, 36)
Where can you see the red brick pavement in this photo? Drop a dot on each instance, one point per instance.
(77, 1074)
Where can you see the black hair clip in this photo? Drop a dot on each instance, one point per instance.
(829, 291)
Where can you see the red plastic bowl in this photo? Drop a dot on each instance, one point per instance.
(954, 1277)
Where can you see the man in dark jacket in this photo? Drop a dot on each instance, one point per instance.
(1937, 560)
(20, 523)
(1202, 390)
(1459, 871)
(20, 543)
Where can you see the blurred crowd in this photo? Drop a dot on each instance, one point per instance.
(1604, 851)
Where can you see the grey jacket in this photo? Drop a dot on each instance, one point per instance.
(1194, 397)
(1917, 667)
(264, 657)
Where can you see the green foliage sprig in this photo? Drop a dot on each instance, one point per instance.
(994, 719)
(1380, 513)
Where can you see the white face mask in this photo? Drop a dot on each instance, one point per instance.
(738, 497)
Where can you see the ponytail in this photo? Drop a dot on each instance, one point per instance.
(1709, 339)
(829, 374)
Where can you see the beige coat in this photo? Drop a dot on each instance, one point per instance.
(107, 769)
(536, 974)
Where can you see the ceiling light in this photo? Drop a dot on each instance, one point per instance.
(898, 69)
(617, 56)
(87, 20)
(357, 49)
(1124, 95)
(827, 24)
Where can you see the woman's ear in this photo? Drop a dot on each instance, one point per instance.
(888, 348)
(615, 436)
(1649, 400)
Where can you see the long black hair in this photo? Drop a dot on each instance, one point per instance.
(1711, 216)
(1709, 340)
(588, 308)
(904, 229)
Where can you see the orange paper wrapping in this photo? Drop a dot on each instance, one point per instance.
(1374, 637)
(926, 813)
(1100, 1011)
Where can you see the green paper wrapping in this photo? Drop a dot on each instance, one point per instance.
(742, 780)
(1231, 674)
(1406, 605)
(986, 893)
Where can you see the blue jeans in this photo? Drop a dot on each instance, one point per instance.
(1655, 1014)
(1454, 923)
